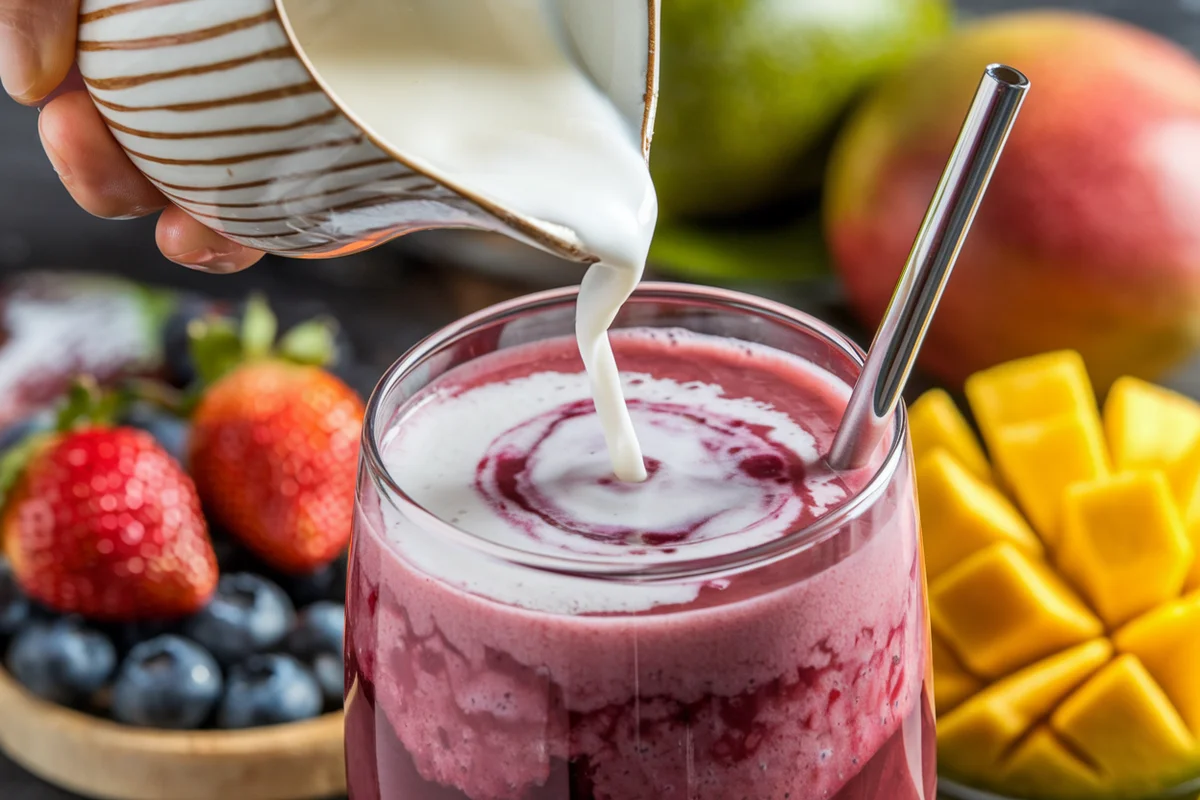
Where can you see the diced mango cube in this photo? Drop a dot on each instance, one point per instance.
(1184, 476)
(934, 421)
(1042, 761)
(973, 737)
(952, 683)
(1000, 610)
(1123, 544)
(1148, 426)
(1040, 459)
(1030, 389)
(1167, 642)
(961, 514)
(1120, 718)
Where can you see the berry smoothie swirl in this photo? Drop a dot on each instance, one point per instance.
(715, 475)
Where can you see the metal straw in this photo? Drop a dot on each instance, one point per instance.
(939, 241)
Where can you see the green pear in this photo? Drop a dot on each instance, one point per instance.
(750, 88)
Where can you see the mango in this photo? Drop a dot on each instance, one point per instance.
(1043, 759)
(1167, 642)
(1000, 610)
(1041, 459)
(1122, 719)
(934, 421)
(1064, 582)
(1149, 427)
(752, 89)
(962, 514)
(1087, 237)
(974, 738)
(954, 683)
(1123, 544)
(1039, 419)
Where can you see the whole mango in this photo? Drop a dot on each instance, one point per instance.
(749, 87)
(1087, 238)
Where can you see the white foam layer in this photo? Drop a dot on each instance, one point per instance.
(434, 451)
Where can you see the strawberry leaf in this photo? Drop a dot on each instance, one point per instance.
(216, 348)
(87, 405)
(311, 342)
(259, 328)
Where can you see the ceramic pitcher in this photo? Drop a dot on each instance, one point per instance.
(217, 104)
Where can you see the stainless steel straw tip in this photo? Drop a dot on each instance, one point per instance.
(1008, 76)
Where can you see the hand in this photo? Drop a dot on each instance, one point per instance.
(37, 56)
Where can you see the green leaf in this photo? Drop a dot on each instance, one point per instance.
(312, 342)
(259, 327)
(86, 404)
(216, 348)
(787, 253)
(157, 307)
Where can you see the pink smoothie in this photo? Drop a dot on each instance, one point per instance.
(472, 677)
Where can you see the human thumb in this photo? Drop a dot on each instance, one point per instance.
(37, 45)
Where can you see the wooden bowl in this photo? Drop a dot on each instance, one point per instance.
(108, 761)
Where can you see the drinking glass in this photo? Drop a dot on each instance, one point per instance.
(800, 670)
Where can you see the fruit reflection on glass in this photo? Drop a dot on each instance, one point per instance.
(175, 555)
(1064, 582)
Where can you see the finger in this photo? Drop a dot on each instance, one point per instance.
(37, 45)
(91, 164)
(190, 244)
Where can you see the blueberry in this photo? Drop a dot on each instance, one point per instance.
(168, 430)
(331, 676)
(61, 661)
(326, 583)
(248, 615)
(127, 635)
(167, 682)
(319, 629)
(269, 690)
(15, 608)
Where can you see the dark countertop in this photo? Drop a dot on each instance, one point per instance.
(385, 301)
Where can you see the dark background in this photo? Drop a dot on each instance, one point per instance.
(407, 298)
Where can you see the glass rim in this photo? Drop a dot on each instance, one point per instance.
(763, 554)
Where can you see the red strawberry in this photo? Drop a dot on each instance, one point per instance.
(103, 522)
(274, 446)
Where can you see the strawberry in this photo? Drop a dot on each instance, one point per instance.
(274, 445)
(102, 522)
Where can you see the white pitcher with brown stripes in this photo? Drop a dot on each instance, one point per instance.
(318, 128)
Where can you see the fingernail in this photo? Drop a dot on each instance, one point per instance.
(206, 260)
(56, 161)
(18, 62)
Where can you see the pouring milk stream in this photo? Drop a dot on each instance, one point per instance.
(488, 95)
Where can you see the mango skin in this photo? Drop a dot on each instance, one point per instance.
(752, 89)
(1087, 237)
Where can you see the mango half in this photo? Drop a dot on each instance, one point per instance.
(1064, 582)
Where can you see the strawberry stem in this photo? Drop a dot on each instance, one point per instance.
(86, 405)
(259, 327)
(219, 346)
